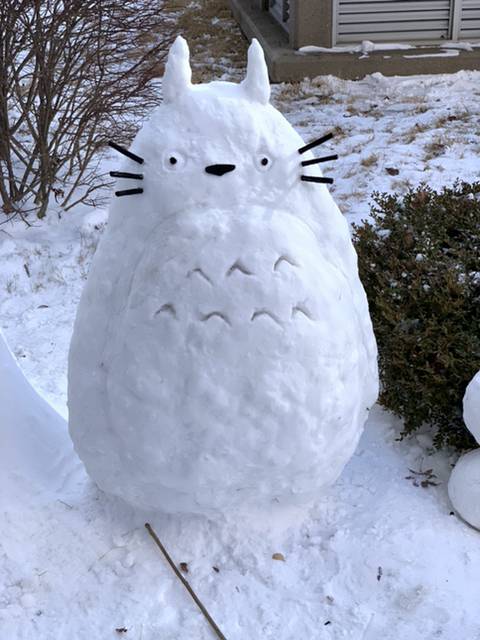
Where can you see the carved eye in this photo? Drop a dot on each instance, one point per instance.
(263, 162)
(173, 161)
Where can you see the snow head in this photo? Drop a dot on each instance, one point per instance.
(223, 353)
(217, 144)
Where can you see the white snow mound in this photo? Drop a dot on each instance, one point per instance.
(471, 407)
(464, 487)
(223, 352)
(464, 483)
(37, 455)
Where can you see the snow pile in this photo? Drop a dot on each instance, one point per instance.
(376, 557)
(37, 456)
(464, 484)
(223, 353)
(471, 407)
(365, 47)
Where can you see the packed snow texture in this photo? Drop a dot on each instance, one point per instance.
(39, 455)
(375, 557)
(464, 484)
(223, 352)
(471, 407)
(464, 487)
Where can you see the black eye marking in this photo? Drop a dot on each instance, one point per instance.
(173, 160)
(264, 161)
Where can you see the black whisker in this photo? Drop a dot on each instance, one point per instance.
(128, 192)
(126, 152)
(315, 143)
(317, 179)
(125, 174)
(307, 163)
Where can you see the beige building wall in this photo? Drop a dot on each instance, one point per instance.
(311, 23)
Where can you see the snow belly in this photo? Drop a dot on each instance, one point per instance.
(234, 373)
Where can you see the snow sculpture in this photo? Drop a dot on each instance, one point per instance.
(37, 456)
(464, 484)
(223, 352)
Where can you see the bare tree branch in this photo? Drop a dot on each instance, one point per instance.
(72, 74)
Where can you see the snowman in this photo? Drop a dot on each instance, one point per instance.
(223, 353)
(464, 484)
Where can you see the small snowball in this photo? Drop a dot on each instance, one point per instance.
(464, 488)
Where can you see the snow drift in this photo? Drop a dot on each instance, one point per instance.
(37, 456)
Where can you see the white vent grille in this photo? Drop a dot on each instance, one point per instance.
(394, 20)
(470, 20)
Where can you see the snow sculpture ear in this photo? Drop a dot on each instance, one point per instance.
(256, 82)
(178, 75)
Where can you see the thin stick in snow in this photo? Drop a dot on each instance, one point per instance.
(185, 583)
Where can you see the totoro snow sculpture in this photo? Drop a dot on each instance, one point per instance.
(223, 353)
(464, 483)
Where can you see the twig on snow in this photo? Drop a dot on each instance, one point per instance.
(185, 583)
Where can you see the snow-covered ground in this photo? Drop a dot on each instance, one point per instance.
(376, 557)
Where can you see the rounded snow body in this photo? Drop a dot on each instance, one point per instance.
(232, 371)
(223, 353)
(464, 488)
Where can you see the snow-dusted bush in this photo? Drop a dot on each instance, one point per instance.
(72, 74)
(420, 265)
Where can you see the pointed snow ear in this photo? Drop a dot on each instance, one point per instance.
(256, 83)
(178, 75)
